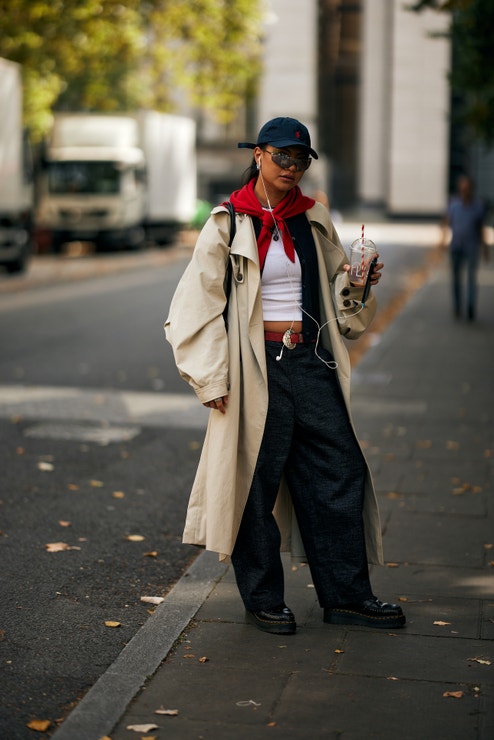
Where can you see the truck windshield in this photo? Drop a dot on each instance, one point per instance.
(83, 177)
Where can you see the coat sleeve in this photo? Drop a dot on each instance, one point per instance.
(195, 325)
(353, 319)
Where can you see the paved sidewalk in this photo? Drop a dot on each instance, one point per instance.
(423, 401)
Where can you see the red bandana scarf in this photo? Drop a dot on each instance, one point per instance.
(245, 201)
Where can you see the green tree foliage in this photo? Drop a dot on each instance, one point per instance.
(117, 55)
(472, 76)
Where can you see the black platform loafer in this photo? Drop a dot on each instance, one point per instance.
(368, 613)
(278, 620)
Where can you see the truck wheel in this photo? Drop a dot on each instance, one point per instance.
(57, 242)
(136, 239)
(16, 266)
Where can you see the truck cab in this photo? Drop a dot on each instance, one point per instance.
(93, 185)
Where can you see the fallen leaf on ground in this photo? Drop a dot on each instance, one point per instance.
(338, 652)
(481, 661)
(441, 624)
(142, 728)
(20, 450)
(60, 547)
(392, 678)
(168, 712)
(72, 487)
(152, 599)
(45, 466)
(135, 538)
(392, 565)
(393, 495)
(403, 598)
(64, 523)
(203, 659)
(96, 483)
(40, 725)
(488, 546)
(454, 694)
(113, 624)
(424, 444)
(118, 494)
(451, 445)
(152, 554)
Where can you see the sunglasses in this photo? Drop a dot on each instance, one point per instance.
(285, 162)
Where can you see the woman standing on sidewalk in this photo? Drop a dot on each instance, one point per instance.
(277, 379)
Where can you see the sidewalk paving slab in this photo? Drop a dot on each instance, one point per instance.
(424, 408)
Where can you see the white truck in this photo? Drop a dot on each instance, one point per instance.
(16, 178)
(116, 180)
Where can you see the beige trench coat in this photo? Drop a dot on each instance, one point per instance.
(215, 364)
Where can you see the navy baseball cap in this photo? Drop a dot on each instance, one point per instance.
(282, 132)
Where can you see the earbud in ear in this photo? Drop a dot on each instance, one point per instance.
(259, 163)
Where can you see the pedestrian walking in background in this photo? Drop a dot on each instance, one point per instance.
(280, 466)
(465, 217)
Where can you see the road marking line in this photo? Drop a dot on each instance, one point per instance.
(113, 407)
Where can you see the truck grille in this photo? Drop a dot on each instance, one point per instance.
(76, 216)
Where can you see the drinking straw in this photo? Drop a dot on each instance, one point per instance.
(363, 261)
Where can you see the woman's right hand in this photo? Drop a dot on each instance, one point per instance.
(218, 404)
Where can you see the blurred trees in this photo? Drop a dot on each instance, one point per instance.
(117, 55)
(472, 76)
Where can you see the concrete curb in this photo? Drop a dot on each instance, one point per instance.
(104, 704)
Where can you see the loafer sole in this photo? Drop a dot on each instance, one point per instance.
(271, 626)
(343, 616)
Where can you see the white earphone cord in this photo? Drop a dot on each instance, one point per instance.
(270, 209)
(331, 364)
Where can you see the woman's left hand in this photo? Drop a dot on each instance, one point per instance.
(376, 272)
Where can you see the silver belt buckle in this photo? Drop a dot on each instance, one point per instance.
(287, 340)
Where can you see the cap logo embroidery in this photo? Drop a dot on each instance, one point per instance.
(297, 134)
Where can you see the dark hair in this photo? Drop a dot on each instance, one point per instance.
(250, 173)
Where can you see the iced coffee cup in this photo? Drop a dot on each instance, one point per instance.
(362, 252)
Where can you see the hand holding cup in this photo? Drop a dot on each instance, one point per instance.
(362, 252)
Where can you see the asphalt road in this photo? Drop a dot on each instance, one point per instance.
(99, 441)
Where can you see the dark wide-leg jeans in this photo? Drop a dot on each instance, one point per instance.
(309, 438)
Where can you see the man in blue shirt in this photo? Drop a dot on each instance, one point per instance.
(465, 217)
